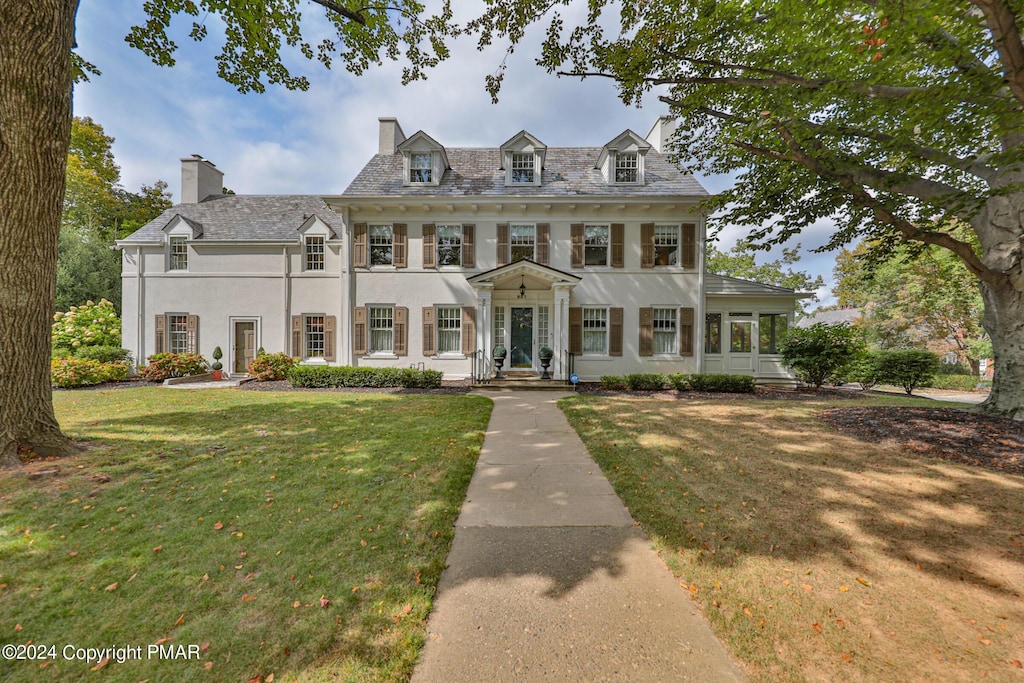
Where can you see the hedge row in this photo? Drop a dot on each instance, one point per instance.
(68, 373)
(323, 376)
(955, 382)
(730, 384)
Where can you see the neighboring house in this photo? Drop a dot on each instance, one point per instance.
(435, 255)
(833, 316)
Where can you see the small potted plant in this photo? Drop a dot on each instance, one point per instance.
(215, 369)
(545, 354)
(499, 354)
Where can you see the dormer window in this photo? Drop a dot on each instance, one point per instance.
(421, 168)
(523, 167)
(314, 252)
(177, 253)
(627, 167)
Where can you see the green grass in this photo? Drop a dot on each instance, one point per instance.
(816, 556)
(226, 518)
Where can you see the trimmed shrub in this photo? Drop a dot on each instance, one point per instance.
(821, 351)
(908, 369)
(729, 384)
(270, 366)
(679, 382)
(90, 324)
(646, 382)
(864, 370)
(67, 373)
(614, 383)
(329, 377)
(954, 382)
(161, 366)
(104, 354)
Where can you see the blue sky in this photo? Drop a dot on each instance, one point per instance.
(283, 142)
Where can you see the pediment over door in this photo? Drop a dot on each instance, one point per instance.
(534, 275)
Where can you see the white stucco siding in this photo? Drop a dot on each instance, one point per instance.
(230, 259)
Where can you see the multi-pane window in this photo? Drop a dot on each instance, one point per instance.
(713, 333)
(177, 333)
(178, 253)
(665, 334)
(420, 168)
(499, 325)
(522, 167)
(666, 245)
(544, 325)
(314, 336)
(595, 330)
(627, 167)
(449, 329)
(381, 329)
(772, 329)
(739, 337)
(595, 245)
(314, 253)
(522, 239)
(381, 245)
(449, 245)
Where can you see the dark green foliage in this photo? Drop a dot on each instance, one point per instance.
(267, 367)
(954, 382)
(863, 369)
(161, 366)
(646, 382)
(729, 384)
(614, 383)
(679, 382)
(821, 351)
(323, 376)
(103, 354)
(908, 368)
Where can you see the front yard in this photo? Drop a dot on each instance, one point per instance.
(294, 535)
(816, 555)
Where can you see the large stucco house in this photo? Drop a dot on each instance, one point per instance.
(433, 256)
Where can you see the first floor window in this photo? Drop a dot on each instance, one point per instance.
(713, 333)
(381, 329)
(595, 245)
(381, 245)
(314, 336)
(449, 245)
(522, 241)
(665, 334)
(666, 245)
(739, 337)
(177, 334)
(178, 254)
(449, 329)
(420, 168)
(772, 328)
(595, 330)
(314, 252)
(499, 326)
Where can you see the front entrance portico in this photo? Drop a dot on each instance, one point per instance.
(524, 306)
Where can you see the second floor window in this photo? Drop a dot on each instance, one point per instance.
(381, 245)
(178, 254)
(314, 253)
(522, 167)
(627, 167)
(522, 240)
(449, 245)
(420, 168)
(595, 245)
(666, 245)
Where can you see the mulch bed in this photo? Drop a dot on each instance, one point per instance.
(953, 434)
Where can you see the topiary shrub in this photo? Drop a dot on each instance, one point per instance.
(90, 324)
(908, 368)
(68, 373)
(680, 382)
(267, 367)
(161, 366)
(646, 382)
(330, 377)
(729, 384)
(104, 354)
(614, 383)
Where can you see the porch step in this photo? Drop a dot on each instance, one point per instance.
(534, 384)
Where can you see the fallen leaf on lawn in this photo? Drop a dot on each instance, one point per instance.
(111, 587)
(864, 581)
(102, 663)
(846, 657)
(181, 620)
(986, 641)
(1017, 663)
(132, 577)
(269, 678)
(842, 624)
(158, 549)
(256, 679)
(208, 666)
(324, 602)
(746, 610)
(218, 526)
(297, 603)
(407, 608)
(17, 627)
(361, 542)
(73, 553)
(816, 626)
(246, 597)
(204, 647)
(844, 589)
(161, 641)
(808, 587)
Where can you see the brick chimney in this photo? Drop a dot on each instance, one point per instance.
(199, 179)
(391, 135)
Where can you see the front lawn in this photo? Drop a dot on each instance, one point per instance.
(815, 555)
(290, 536)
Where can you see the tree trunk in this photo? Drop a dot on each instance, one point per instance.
(35, 126)
(1004, 321)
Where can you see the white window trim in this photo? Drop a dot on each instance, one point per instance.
(677, 227)
(323, 253)
(370, 245)
(674, 310)
(607, 332)
(437, 246)
(306, 356)
(613, 161)
(435, 176)
(608, 246)
(437, 331)
(379, 353)
(511, 243)
(171, 240)
(509, 175)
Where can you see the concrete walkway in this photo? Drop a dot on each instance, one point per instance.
(549, 579)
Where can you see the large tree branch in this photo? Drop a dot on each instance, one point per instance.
(1002, 21)
(351, 15)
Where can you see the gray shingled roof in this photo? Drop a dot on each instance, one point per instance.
(568, 171)
(243, 217)
(833, 317)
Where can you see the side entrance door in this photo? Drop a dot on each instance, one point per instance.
(245, 345)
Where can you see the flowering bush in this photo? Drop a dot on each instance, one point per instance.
(80, 372)
(161, 366)
(270, 366)
(90, 324)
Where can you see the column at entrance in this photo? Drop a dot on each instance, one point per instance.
(560, 330)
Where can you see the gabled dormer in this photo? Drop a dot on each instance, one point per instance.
(178, 232)
(314, 234)
(622, 160)
(522, 159)
(424, 160)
